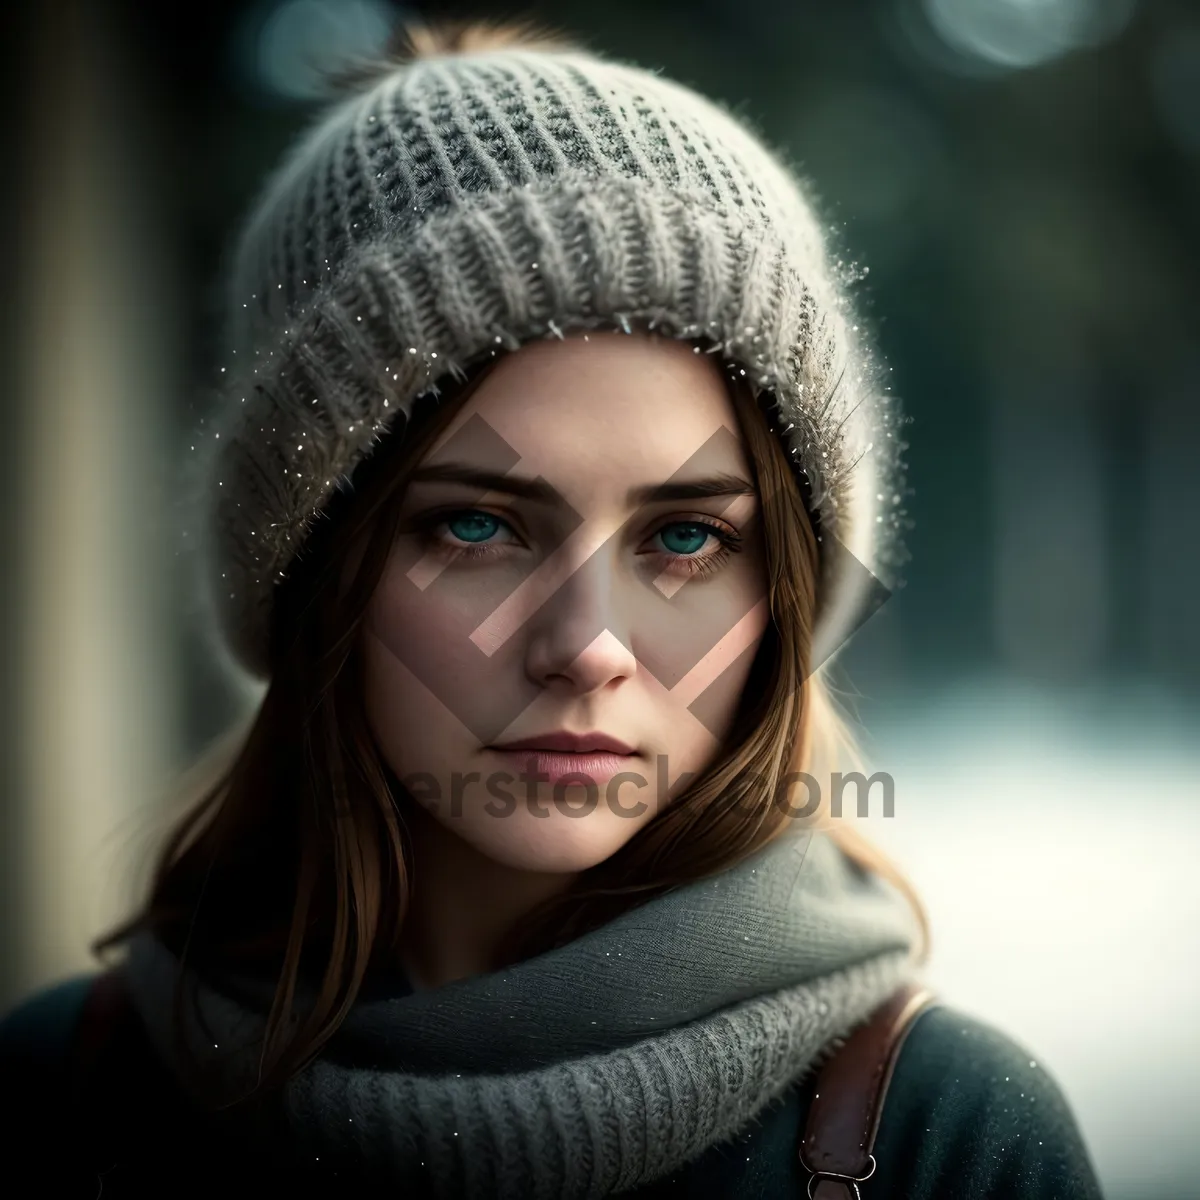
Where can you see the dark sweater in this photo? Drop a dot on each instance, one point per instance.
(968, 1115)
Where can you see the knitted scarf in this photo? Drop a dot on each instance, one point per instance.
(595, 1067)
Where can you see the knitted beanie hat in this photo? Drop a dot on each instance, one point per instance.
(461, 203)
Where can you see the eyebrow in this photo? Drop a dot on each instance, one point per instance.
(541, 492)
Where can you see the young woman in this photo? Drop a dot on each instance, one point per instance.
(551, 467)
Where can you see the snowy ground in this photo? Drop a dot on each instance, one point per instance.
(1056, 841)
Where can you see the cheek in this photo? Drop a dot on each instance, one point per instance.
(698, 713)
(426, 674)
(417, 665)
(431, 640)
(696, 725)
(700, 647)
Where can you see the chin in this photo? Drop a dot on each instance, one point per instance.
(554, 844)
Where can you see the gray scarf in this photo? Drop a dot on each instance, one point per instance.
(601, 1065)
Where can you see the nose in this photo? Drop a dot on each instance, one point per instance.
(578, 640)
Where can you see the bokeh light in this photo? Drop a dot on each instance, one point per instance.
(879, 162)
(287, 49)
(1175, 78)
(1026, 33)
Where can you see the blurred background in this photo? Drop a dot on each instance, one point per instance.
(1021, 178)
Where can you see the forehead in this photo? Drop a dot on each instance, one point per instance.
(604, 410)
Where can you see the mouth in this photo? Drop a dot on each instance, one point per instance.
(569, 743)
(562, 769)
(568, 758)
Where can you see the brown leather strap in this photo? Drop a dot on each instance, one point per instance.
(851, 1087)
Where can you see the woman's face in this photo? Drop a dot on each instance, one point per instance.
(562, 633)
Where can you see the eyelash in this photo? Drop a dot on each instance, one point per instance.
(730, 543)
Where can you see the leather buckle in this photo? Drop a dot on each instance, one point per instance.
(848, 1189)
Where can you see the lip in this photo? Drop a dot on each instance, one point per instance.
(595, 767)
(570, 743)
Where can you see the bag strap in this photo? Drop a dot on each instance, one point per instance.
(848, 1102)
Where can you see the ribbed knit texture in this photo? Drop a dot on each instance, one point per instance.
(465, 204)
(601, 1065)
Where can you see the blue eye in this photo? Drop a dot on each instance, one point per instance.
(473, 526)
(685, 537)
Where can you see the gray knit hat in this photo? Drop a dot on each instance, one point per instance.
(461, 204)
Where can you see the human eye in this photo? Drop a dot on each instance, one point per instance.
(468, 533)
(694, 546)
